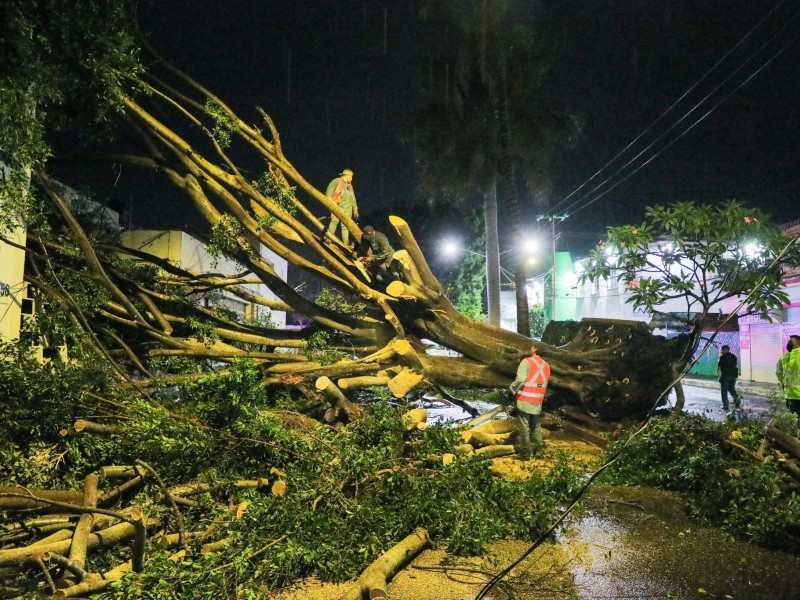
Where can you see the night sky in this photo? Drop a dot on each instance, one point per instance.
(621, 65)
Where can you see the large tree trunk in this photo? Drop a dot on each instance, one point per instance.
(492, 254)
(512, 198)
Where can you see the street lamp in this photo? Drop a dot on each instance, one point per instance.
(554, 238)
(451, 247)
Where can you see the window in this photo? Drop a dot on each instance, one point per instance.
(613, 279)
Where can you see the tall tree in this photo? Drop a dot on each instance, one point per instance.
(498, 67)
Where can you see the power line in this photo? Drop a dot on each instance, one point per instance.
(668, 110)
(685, 131)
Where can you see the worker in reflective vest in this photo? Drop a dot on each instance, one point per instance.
(788, 373)
(341, 192)
(529, 389)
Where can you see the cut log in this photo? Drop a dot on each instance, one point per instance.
(82, 425)
(118, 472)
(498, 426)
(479, 439)
(785, 441)
(373, 581)
(187, 489)
(348, 383)
(495, 451)
(121, 489)
(257, 484)
(105, 537)
(77, 551)
(95, 583)
(416, 418)
(38, 522)
(337, 399)
(15, 503)
(404, 382)
(174, 539)
(279, 488)
(58, 536)
(418, 293)
(214, 546)
(464, 449)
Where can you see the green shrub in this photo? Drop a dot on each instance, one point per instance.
(723, 485)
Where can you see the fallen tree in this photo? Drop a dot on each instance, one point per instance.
(140, 307)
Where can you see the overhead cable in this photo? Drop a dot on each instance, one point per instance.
(680, 135)
(669, 109)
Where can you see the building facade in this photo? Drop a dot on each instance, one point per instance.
(15, 305)
(758, 342)
(191, 254)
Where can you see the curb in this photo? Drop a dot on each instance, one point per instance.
(751, 388)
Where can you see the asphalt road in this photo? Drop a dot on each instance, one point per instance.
(706, 400)
(702, 398)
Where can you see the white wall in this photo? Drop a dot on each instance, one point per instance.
(13, 289)
(183, 250)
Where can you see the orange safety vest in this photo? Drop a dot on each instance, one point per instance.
(340, 186)
(535, 386)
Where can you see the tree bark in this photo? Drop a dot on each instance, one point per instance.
(492, 254)
(373, 581)
(77, 551)
(512, 198)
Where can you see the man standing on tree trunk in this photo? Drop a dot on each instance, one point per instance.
(529, 389)
(729, 371)
(788, 372)
(341, 191)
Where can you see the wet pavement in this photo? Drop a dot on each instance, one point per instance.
(639, 543)
(703, 398)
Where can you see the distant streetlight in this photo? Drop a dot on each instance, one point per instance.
(451, 248)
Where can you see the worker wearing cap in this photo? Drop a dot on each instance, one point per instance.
(341, 191)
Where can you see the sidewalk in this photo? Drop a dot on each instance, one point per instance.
(751, 388)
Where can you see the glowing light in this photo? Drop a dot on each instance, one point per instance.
(451, 247)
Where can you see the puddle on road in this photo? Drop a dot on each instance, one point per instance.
(638, 543)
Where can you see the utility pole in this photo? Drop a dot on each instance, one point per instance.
(554, 237)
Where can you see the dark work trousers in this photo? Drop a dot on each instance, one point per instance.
(530, 432)
(793, 404)
(727, 384)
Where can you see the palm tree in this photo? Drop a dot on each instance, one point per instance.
(492, 116)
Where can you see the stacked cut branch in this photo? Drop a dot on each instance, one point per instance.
(65, 540)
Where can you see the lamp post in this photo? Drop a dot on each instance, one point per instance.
(554, 238)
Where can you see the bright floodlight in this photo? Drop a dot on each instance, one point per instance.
(752, 250)
(531, 246)
(451, 247)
